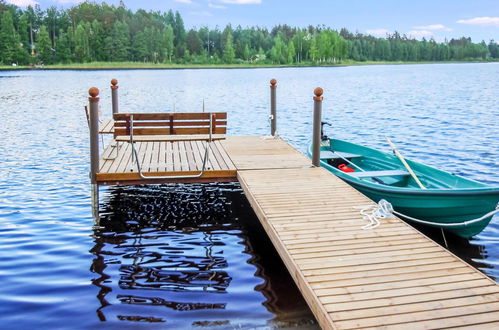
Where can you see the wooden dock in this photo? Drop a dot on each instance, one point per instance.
(390, 277)
(351, 278)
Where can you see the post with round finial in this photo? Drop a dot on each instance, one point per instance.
(316, 138)
(94, 132)
(94, 149)
(114, 95)
(273, 107)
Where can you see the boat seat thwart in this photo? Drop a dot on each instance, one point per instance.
(326, 155)
(369, 174)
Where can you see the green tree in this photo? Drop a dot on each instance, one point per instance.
(139, 47)
(118, 42)
(82, 49)
(96, 41)
(44, 46)
(246, 53)
(291, 52)
(23, 31)
(7, 39)
(229, 53)
(179, 32)
(194, 43)
(314, 52)
(167, 43)
(63, 53)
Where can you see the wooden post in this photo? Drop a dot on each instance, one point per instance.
(316, 138)
(94, 132)
(273, 112)
(94, 149)
(114, 95)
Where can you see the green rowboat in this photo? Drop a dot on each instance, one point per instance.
(449, 201)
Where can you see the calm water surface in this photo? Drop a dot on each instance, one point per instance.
(184, 256)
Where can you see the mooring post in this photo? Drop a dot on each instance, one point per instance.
(316, 138)
(114, 95)
(94, 149)
(273, 111)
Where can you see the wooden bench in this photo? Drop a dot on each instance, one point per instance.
(169, 126)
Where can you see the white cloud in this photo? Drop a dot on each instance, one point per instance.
(242, 2)
(211, 5)
(378, 32)
(433, 27)
(420, 34)
(481, 21)
(23, 3)
(184, 1)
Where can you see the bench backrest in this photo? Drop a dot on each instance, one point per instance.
(178, 123)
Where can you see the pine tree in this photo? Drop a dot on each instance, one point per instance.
(139, 47)
(82, 50)
(63, 53)
(167, 43)
(246, 53)
(118, 42)
(291, 52)
(44, 46)
(229, 52)
(7, 39)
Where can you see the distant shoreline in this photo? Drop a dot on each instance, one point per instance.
(150, 66)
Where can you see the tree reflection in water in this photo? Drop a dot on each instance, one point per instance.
(190, 255)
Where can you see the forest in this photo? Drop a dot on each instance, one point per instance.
(91, 32)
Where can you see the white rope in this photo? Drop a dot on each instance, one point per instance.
(382, 210)
(376, 212)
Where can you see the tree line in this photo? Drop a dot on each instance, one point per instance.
(90, 32)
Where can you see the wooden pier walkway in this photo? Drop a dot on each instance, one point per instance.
(391, 276)
(351, 278)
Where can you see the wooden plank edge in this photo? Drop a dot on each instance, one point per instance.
(134, 178)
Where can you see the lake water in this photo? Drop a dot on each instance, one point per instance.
(184, 256)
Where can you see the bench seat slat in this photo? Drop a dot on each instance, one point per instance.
(138, 124)
(155, 138)
(167, 131)
(326, 154)
(166, 116)
(370, 174)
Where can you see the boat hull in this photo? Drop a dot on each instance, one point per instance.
(453, 199)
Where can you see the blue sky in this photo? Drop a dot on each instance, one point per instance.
(478, 19)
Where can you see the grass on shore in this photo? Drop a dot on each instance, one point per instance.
(142, 65)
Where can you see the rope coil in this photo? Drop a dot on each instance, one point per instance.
(376, 212)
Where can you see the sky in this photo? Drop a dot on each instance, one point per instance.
(440, 19)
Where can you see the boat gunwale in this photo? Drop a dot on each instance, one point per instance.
(478, 191)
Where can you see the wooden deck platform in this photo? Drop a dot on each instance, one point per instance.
(388, 277)
(164, 158)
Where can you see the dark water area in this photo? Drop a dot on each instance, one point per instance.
(195, 256)
(191, 255)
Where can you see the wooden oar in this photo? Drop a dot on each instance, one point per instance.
(409, 169)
